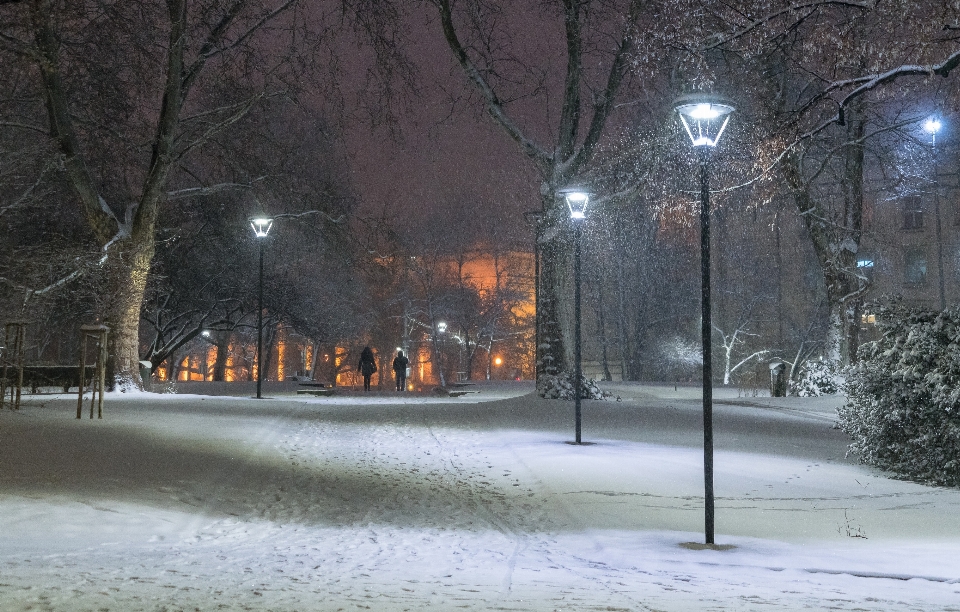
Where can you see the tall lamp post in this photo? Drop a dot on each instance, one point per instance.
(441, 329)
(261, 227)
(577, 201)
(932, 126)
(705, 119)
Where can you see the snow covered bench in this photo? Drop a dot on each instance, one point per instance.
(315, 388)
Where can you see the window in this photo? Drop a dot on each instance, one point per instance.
(912, 213)
(915, 266)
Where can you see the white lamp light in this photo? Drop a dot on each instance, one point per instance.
(932, 125)
(704, 118)
(261, 226)
(577, 201)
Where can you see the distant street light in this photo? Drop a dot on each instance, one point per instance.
(705, 120)
(438, 350)
(261, 227)
(577, 201)
(932, 126)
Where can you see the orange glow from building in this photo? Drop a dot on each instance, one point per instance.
(211, 361)
(230, 375)
(281, 354)
(480, 272)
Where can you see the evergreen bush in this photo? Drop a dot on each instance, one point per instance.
(561, 387)
(816, 378)
(903, 406)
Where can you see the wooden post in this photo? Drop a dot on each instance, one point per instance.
(98, 382)
(82, 371)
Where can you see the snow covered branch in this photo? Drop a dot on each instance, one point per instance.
(199, 192)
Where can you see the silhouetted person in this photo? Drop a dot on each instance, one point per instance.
(400, 364)
(367, 366)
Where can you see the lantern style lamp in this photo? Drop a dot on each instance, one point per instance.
(577, 201)
(261, 226)
(705, 118)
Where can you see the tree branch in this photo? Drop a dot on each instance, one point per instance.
(605, 103)
(493, 103)
(199, 192)
(100, 217)
(719, 40)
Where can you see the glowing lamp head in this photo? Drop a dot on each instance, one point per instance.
(441, 327)
(498, 361)
(704, 118)
(577, 201)
(932, 125)
(261, 226)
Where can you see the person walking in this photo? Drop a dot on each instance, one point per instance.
(400, 364)
(367, 366)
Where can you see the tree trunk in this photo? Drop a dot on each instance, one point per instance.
(223, 350)
(127, 270)
(836, 243)
(551, 353)
(602, 325)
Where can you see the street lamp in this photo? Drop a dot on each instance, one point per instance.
(261, 227)
(932, 126)
(438, 350)
(705, 119)
(577, 201)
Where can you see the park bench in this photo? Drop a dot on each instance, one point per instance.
(37, 376)
(457, 390)
(315, 388)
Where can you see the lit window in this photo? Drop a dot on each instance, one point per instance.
(865, 263)
(868, 319)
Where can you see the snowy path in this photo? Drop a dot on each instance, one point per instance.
(185, 503)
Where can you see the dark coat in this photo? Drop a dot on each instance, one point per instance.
(368, 364)
(400, 363)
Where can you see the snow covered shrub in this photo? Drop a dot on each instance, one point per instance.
(817, 377)
(125, 384)
(903, 406)
(561, 387)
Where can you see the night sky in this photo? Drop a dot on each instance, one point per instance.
(445, 152)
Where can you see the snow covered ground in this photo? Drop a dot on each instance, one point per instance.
(407, 502)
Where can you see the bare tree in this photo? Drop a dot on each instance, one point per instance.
(489, 54)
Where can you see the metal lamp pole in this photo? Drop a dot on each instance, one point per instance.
(706, 329)
(261, 227)
(577, 200)
(260, 327)
(933, 125)
(577, 364)
(705, 121)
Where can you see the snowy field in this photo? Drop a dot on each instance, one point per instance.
(389, 502)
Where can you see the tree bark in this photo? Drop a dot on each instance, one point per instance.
(126, 283)
(222, 340)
